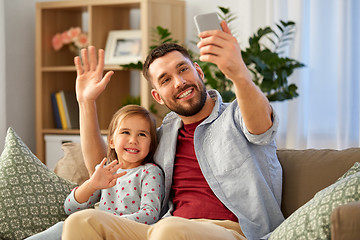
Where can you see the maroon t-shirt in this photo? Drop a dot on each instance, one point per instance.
(192, 196)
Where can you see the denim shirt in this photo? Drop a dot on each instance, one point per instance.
(242, 169)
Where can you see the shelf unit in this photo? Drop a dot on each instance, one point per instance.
(55, 71)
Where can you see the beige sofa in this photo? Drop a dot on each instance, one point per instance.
(305, 172)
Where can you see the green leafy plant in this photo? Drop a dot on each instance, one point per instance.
(270, 71)
(161, 35)
(131, 100)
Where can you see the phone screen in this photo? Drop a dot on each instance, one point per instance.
(208, 21)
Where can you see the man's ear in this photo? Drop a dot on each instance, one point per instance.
(199, 70)
(157, 96)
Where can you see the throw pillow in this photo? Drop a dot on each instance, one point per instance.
(31, 195)
(72, 166)
(312, 220)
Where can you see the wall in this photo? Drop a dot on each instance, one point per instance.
(20, 69)
(2, 76)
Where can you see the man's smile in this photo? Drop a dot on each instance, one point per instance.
(185, 93)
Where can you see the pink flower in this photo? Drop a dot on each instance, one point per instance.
(74, 32)
(56, 42)
(74, 37)
(82, 40)
(65, 38)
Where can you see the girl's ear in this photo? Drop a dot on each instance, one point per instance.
(111, 144)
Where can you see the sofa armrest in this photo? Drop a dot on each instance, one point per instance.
(345, 222)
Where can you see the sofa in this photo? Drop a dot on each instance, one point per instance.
(321, 190)
(306, 172)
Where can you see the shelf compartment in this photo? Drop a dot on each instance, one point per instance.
(107, 104)
(54, 82)
(58, 21)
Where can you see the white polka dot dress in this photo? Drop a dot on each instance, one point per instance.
(137, 195)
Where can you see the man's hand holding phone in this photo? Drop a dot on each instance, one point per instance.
(220, 47)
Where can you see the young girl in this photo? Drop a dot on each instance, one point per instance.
(125, 183)
(129, 185)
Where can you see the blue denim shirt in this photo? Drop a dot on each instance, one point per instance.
(242, 169)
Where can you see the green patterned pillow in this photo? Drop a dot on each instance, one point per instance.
(312, 220)
(31, 196)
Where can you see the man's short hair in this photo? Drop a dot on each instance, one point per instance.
(160, 51)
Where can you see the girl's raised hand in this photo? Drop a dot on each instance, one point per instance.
(105, 176)
(90, 82)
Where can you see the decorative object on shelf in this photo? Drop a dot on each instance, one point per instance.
(74, 37)
(123, 47)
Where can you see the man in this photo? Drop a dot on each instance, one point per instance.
(222, 177)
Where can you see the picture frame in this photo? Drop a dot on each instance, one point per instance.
(123, 47)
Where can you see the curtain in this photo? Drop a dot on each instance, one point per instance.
(326, 113)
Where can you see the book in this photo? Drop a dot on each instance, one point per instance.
(61, 110)
(56, 111)
(66, 111)
(71, 109)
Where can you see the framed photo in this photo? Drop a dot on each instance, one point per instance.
(123, 47)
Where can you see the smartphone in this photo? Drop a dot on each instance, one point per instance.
(208, 21)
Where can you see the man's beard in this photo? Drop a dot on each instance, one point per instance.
(196, 104)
